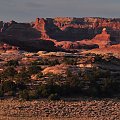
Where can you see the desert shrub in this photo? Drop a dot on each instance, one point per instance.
(68, 73)
(65, 90)
(43, 91)
(54, 97)
(1, 92)
(115, 87)
(43, 62)
(87, 77)
(34, 69)
(98, 58)
(68, 90)
(24, 95)
(109, 88)
(107, 74)
(48, 62)
(21, 85)
(12, 63)
(8, 86)
(70, 61)
(54, 62)
(93, 91)
(33, 94)
(96, 73)
(35, 63)
(39, 75)
(9, 72)
(22, 77)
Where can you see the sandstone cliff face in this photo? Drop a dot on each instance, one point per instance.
(25, 36)
(73, 29)
(99, 41)
(40, 26)
(66, 33)
(103, 39)
(22, 31)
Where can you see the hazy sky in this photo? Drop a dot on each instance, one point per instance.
(28, 10)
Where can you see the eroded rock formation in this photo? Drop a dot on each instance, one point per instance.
(62, 32)
(40, 26)
(99, 41)
(103, 39)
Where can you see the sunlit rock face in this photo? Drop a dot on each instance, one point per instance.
(99, 41)
(103, 39)
(40, 26)
(62, 33)
(72, 29)
(104, 36)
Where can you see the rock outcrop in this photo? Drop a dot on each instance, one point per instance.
(62, 33)
(103, 39)
(72, 29)
(99, 41)
(25, 37)
(113, 50)
(40, 25)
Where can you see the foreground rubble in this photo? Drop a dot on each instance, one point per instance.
(80, 109)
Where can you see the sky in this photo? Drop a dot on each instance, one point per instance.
(29, 10)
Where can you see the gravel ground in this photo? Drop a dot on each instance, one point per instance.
(72, 109)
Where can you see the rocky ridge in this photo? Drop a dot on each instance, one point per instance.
(61, 33)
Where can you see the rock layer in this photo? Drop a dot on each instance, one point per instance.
(62, 33)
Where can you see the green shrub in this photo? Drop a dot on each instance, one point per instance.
(24, 95)
(21, 85)
(93, 91)
(44, 93)
(47, 89)
(54, 62)
(39, 75)
(70, 61)
(1, 92)
(9, 72)
(33, 94)
(12, 63)
(8, 86)
(54, 97)
(34, 69)
(23, 77)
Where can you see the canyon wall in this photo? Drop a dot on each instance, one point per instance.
(62, 33)
(72, 29)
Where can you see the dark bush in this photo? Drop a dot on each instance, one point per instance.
(54, 62)
(39, 75)
(8, 86)
(21, 85)
(43, 91)
(9, 72)
(54, 97)
(1, 92)
(23, 77)
(34, 69)
(70, 61)
(33, 94)
(24, 95)
(12, 63)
